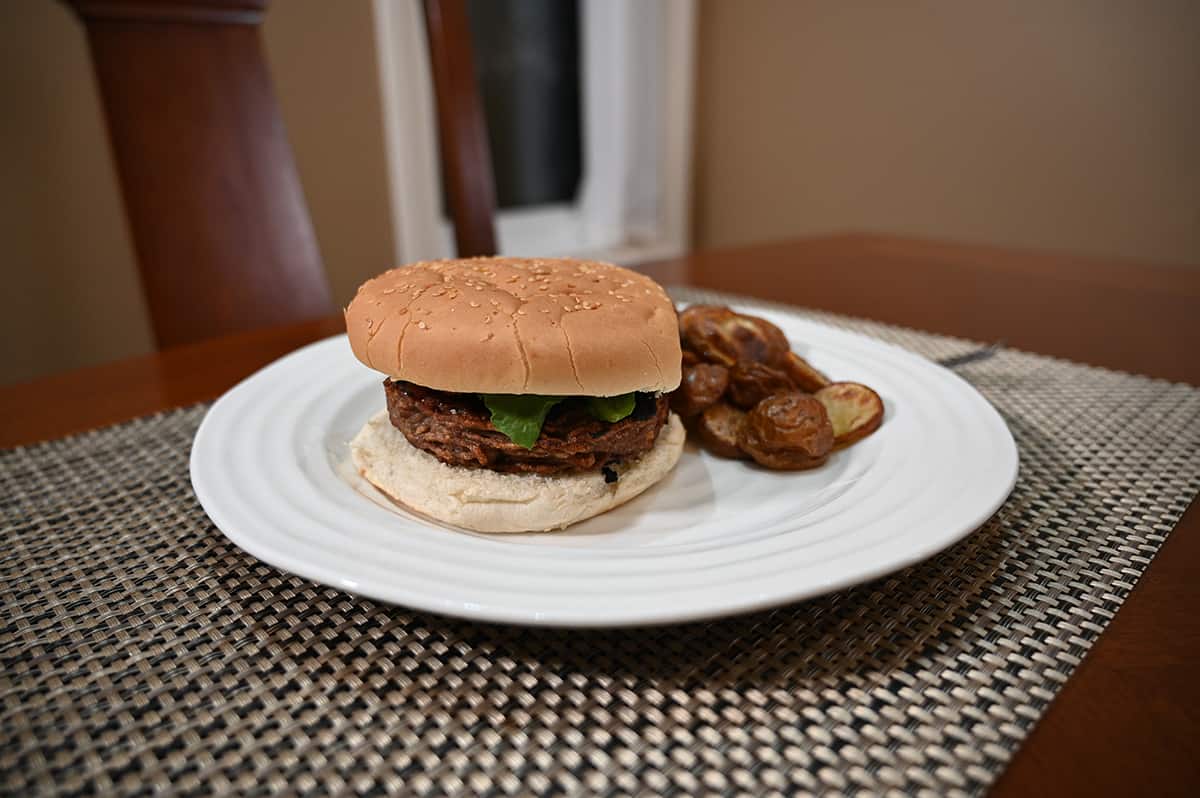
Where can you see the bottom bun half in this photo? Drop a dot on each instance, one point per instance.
(488, 501)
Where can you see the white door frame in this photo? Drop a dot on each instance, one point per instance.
(637, 72)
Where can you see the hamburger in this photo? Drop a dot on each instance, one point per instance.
(522, 394)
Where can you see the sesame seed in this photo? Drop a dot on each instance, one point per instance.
(423, 325)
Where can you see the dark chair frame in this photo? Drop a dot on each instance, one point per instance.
(220, 226)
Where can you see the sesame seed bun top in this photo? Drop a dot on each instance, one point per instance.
(555, 326)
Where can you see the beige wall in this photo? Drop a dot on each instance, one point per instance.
(68, 258)
(1069, 124)
(1061, 124)
(322, 57)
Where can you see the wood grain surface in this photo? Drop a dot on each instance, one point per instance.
(462, 128)
(220, 226)
(1128, 721)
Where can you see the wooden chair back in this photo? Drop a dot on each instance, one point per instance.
(219, 222)
(462, 128)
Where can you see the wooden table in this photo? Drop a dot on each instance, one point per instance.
(1128, 721)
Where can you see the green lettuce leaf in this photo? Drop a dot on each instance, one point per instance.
(520, 417)
(611, 408)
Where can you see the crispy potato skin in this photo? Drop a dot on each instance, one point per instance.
(703, 385)
(719, 335)
(750, 383)
(719, 427)
(787, 431)
(854, 409)
(802, 374)
(746, 394)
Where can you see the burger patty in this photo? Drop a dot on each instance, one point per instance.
(456, 428)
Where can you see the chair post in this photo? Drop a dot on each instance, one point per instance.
(462, 129)
(218, 217)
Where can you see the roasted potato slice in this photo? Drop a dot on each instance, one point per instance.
(854, 410)
(721, 336)
(801, 372)
(702, 386)
(750, 383)
(773, 343)
(787, 431)
(719, 427)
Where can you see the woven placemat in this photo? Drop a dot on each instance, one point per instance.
(141, 651)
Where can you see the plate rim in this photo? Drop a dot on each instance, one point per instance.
(918, 550)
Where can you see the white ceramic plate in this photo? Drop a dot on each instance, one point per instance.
(270, 465)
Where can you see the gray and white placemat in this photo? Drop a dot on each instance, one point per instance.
(140, 651)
